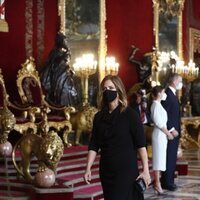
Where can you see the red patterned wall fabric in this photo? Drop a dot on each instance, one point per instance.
(29, 28)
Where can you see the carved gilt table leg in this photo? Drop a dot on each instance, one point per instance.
(186, 140)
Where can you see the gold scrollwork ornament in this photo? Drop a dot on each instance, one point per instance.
(169, 8)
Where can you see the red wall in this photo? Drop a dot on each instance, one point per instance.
(12, 50)
(129, 23)
(12, 43)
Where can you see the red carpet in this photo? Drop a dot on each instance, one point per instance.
(69, 179)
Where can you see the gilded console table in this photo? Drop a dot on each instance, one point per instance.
(187, 141)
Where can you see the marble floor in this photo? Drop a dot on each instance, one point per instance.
(188, 186)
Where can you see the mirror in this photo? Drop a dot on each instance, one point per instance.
(168, 37)
(194, 47)
(168, 25)
(194, 86)
(82, 27)
(83, 22)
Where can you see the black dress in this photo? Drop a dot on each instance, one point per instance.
(118, 135)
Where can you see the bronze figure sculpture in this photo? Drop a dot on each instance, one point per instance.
(57, 76)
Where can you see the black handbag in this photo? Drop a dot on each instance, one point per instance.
(140, 185)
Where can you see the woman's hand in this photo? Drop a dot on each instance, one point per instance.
(87, 176)
(144, 158)
(170, 136)
(91, 157)
(174, 133)
(146, 177)
(168, 133)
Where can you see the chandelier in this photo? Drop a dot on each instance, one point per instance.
(111, 66)
(85, 66)
(189, 71)
(169, 60)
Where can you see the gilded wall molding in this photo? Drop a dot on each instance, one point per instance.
(61, 13)
(102, 43)
(170, 8)
(194, 42)
(155, 22)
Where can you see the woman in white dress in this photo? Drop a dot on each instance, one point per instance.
(160, 135)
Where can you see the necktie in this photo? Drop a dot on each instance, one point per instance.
(142, 114)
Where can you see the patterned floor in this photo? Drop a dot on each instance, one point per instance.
(188, 186)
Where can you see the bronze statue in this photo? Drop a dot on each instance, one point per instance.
(82, 121)
(144, 66)
(57, 76)
(47, 148)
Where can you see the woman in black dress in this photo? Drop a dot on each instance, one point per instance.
(118, 134)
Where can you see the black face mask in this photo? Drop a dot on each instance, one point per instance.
(109, 95)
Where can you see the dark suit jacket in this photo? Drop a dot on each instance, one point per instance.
(135, 106)
(171, 105)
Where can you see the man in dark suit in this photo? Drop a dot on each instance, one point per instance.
(171, 105)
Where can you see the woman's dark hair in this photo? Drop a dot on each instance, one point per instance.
(157, 89)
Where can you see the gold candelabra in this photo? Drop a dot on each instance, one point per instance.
(169, 62)
(84, 67)
(189, 72)
(111, 66)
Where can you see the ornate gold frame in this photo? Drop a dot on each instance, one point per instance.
(186, 140)
(194, 41)
(102, 38)
(156, 6)
(3, 26)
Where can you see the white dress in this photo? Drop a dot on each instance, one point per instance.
(159, 139)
